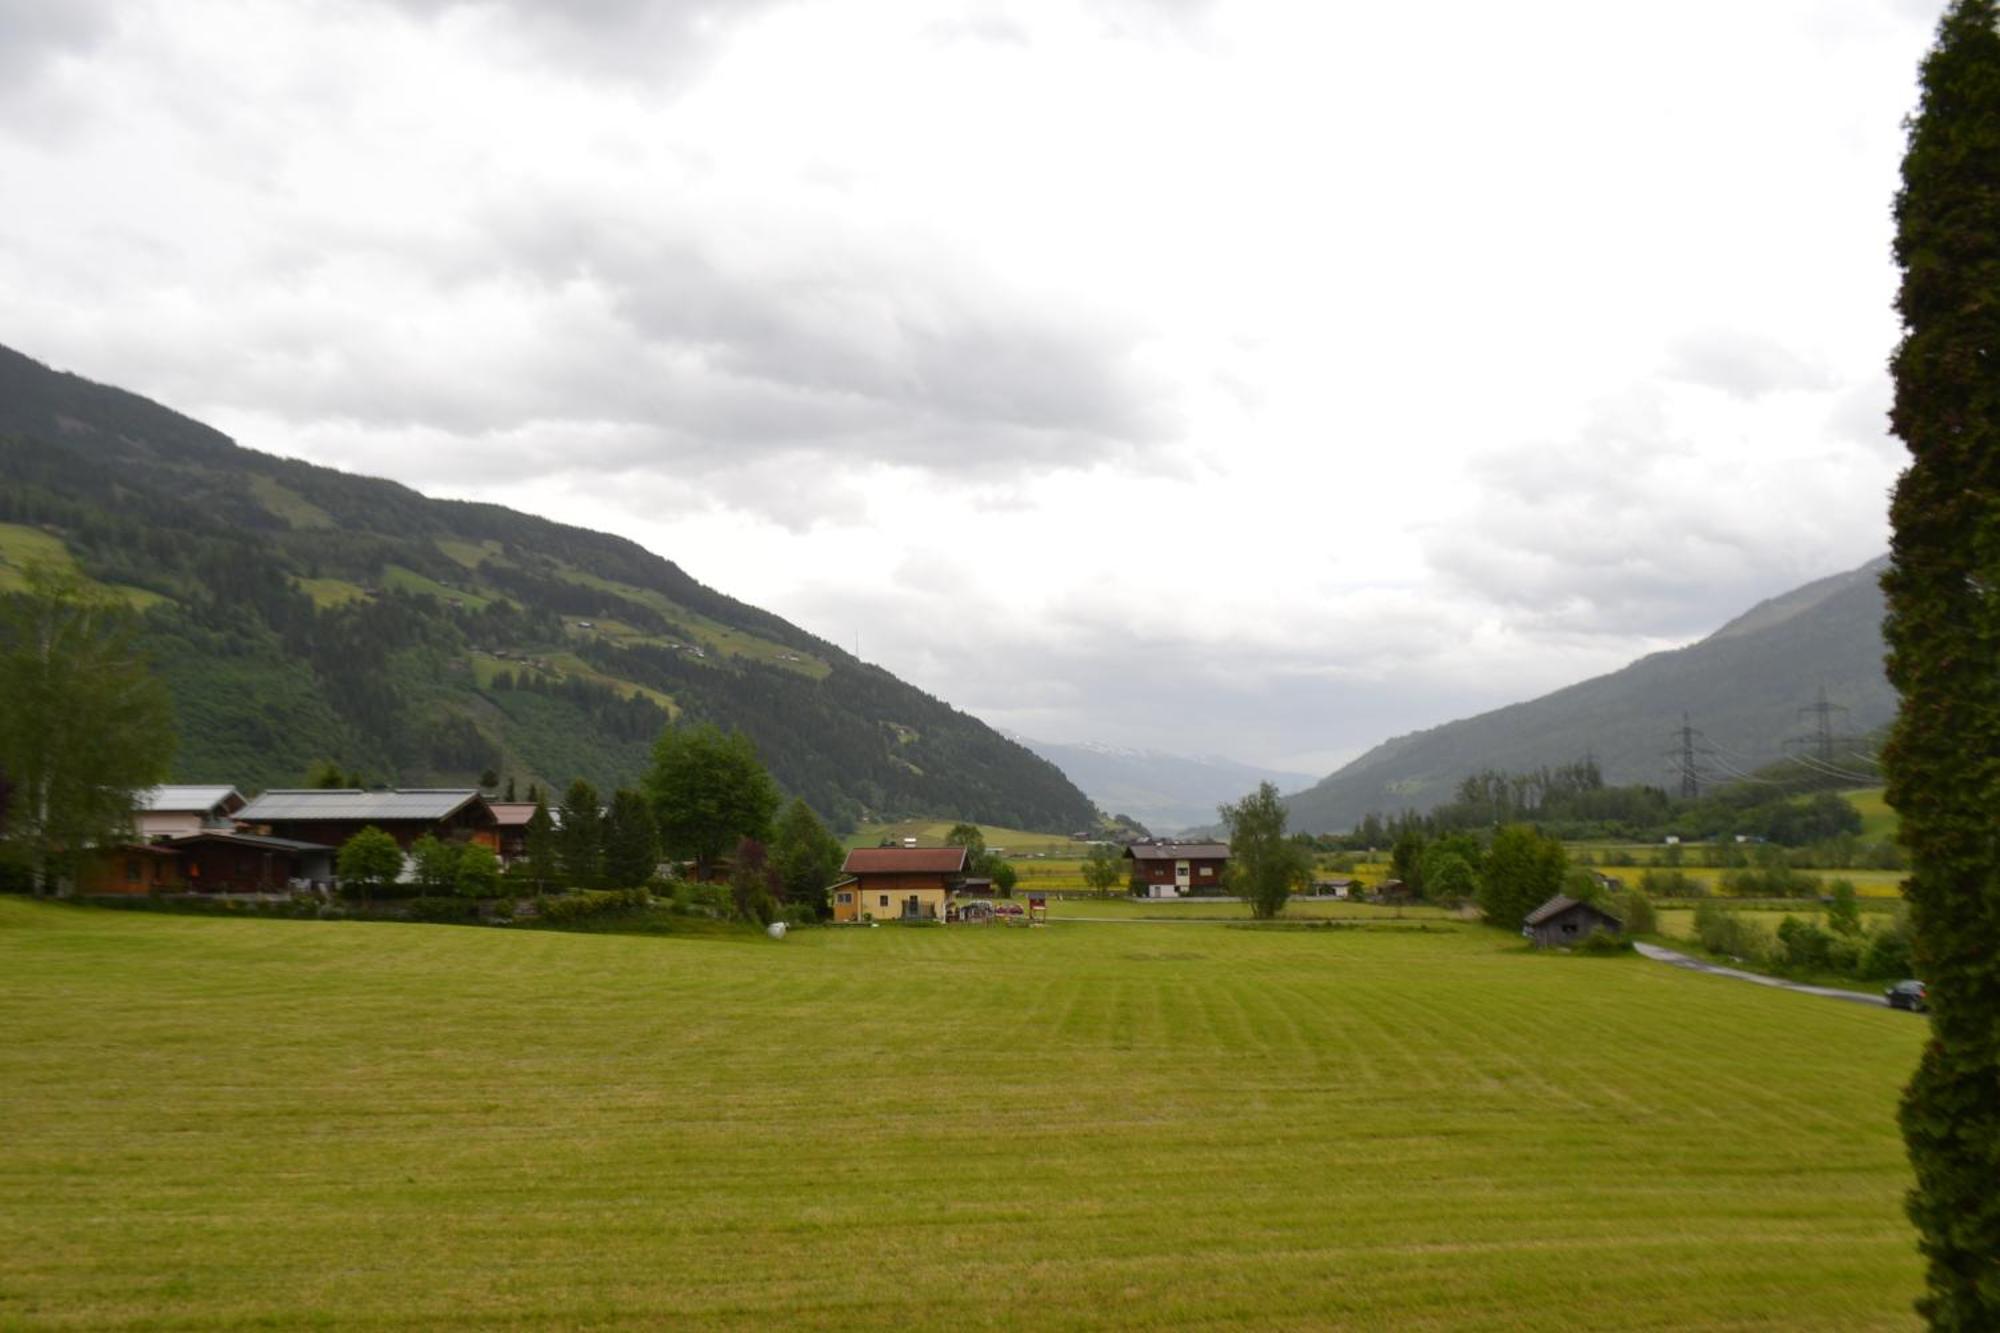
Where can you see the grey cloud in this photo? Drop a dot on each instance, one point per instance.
(33, 32)
(646, 39)
(1607, 534)
(840, 356)
(1742, 364)
(1098, 680)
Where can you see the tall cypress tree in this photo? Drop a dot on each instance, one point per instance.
(1943, 757)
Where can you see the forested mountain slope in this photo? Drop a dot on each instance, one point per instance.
(301, 613)
(1742, 687)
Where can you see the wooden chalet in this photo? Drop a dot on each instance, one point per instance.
(1177, 869)
(1563, 920)
(897, 883)
(133, 867)
(510, 827)
(175, 811)
(329, 817)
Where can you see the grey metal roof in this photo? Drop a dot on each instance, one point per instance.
(321, 803)
(252, 840)
(1178, 851)
(185, 797)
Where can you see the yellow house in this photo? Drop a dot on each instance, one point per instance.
(897, 883)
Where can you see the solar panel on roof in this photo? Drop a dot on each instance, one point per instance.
(335, 804)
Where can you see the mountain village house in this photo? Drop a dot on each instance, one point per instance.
(897, 883)
(175, 811)
(1176, 869)
(510, 825)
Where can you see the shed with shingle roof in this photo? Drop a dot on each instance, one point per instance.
(1564, 920)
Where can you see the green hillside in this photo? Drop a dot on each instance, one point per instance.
(1743, 687)
(300, 613)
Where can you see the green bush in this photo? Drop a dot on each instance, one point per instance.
(1636, 909)
(582, 904)
(1600, 942)
(1803, 946)
(1769, 881)
(445, 910)
(1672, 884)
(1887, 954)
(1725, 932)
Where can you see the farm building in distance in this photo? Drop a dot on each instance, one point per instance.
(1564, 920)
(329, 817)
(176, 811)
(1176, 869)
(903, 883)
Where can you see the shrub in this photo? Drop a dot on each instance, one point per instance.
(434, 864)
(1769, 881)
(1637, 910)
(1888, 952)
(1726, 932)
(582, 904)
(444, 910)
(1803, 945)
(477, 874)
(1672, 884)
(1603, 942)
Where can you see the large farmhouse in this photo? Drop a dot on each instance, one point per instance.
(1176, 869)
(904, 883)
(329, 817)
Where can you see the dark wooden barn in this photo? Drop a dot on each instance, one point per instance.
(1563, 920)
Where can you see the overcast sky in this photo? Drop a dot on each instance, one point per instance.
(1257, 379)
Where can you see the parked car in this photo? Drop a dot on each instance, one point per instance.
(1911, 995)
(1007, 909)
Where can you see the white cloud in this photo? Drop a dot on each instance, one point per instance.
(1265, 377)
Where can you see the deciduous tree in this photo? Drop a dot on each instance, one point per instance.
(708, 792)
(1264, 864)
(1943, 630)
(1523, 870)
(478, 871)
(369, 860)
(435, 864)
(84, 724)
(1104, 867)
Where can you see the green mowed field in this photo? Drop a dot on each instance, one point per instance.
(217, 1123)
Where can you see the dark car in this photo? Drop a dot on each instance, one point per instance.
(1911, 995)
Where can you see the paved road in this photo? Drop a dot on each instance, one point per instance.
(1658, 954)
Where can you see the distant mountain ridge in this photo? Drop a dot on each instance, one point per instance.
(1165, 792)
(1742, 687)
(300, 613)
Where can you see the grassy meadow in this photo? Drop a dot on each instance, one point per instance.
(1409, 1124)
